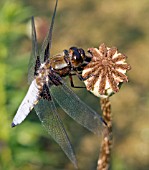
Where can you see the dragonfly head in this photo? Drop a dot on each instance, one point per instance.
(76, 56)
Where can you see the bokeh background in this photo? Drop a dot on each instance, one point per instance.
(83, 23)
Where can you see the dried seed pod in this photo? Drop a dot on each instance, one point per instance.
(106, 71)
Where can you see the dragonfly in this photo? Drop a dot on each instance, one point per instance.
(47, 87)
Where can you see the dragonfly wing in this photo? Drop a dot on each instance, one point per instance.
(77, 109)
(46, 46)
(48, 115)
(45, 50)
(34, 54)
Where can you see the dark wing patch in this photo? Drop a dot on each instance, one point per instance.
(54, 79)
(46, 53)
(45, 94)
(37, 65)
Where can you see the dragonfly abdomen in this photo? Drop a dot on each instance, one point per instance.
(30, 100)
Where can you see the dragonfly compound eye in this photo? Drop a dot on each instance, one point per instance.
(82, 53)
(65, 52)
(75, 56)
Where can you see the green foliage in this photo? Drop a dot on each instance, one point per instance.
(11, 13)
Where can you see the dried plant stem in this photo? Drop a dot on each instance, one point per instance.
(104, 158)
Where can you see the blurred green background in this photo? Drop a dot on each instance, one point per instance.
(83, 23)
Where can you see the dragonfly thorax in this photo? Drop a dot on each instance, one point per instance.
(67, 61)
(43, 74)
(58, 61)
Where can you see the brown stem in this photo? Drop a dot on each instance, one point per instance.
(104, 158)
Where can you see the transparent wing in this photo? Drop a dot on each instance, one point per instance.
(76, 108)
(45, 47)
(48, 115)
(34, 53)
(48, 40)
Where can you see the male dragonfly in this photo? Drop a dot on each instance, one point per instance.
(47, 86)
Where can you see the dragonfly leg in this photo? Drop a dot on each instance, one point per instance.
(80, 76)
(71, 82)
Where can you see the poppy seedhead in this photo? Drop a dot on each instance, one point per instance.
(106, 71)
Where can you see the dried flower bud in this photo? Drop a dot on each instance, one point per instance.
(106, 71)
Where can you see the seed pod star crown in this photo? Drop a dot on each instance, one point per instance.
(106, 71)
